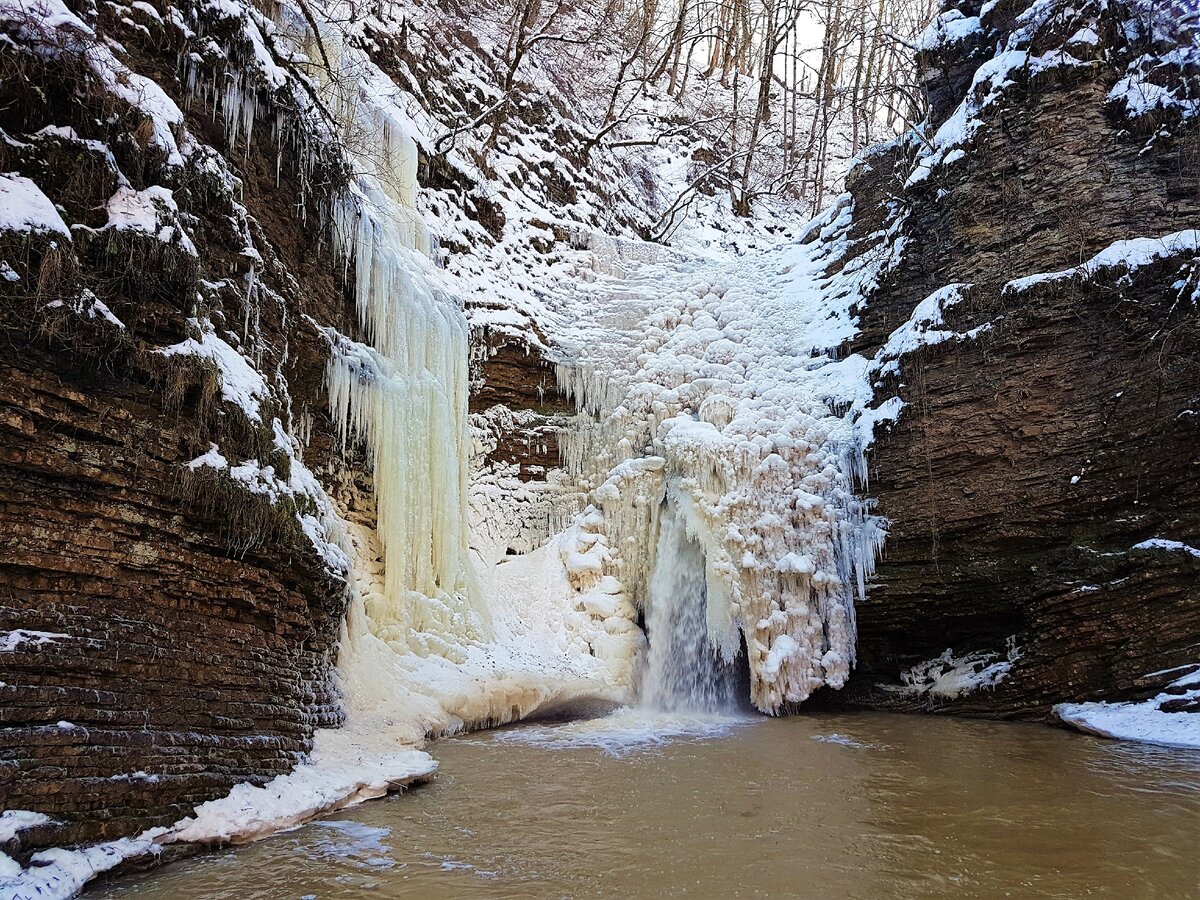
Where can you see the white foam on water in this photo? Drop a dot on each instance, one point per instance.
(354, 843)
(843, 740)
(628, 730)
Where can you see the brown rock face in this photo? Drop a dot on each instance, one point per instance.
(1028, 462)
(508, 371)
(164, 634)
(175, 667)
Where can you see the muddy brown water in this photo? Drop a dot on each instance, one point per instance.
(819, 806)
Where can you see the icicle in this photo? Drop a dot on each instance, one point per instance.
(404, 396)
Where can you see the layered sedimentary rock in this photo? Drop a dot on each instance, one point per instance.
(512, 376)
(168, 622)
(1041, 480)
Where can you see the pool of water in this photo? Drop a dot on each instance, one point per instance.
(815, 806)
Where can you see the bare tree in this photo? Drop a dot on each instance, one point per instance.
(783, 92)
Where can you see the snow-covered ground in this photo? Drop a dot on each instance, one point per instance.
(1146, 721)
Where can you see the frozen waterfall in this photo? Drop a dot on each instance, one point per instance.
(718, 387)
(437, 636)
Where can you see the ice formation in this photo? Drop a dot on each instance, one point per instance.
(442, 631)
(948, 676)
(737, 408)
(404, 393)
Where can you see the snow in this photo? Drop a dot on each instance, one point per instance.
(949, 27)
(1136, 94)
(340, 772)
(921, 328)
(13, 640)
(1170, 546)
(1130, 255)
(323, 528)
(211, 459)
(15, 820)
(151, 211)
(52, 29)
(89, 305)
(1013, 62)
(98, 309)
(987, 86)
(1145, 721)
(783, 649)
(144, 7)
(241, 384)
(24, 208)
(60, 873)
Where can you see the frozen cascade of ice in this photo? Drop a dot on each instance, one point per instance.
(684, 671)
(718, 382)
(437, 635)
(405, 395)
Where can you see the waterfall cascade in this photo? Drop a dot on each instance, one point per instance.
(718, 392)
(684, 670)
(736, 411)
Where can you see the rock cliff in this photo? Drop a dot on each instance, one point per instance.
(167, 633)
(1032, 463)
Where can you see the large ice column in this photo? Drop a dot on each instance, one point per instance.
(409, 406)
(403, 393)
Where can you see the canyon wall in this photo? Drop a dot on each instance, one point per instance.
(166, 631)
(1042, 479)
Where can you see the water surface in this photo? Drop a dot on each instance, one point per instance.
(816, 806)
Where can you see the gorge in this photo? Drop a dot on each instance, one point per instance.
(356, 394)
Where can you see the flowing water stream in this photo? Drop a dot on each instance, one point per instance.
(684, 671)
(822, 806)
